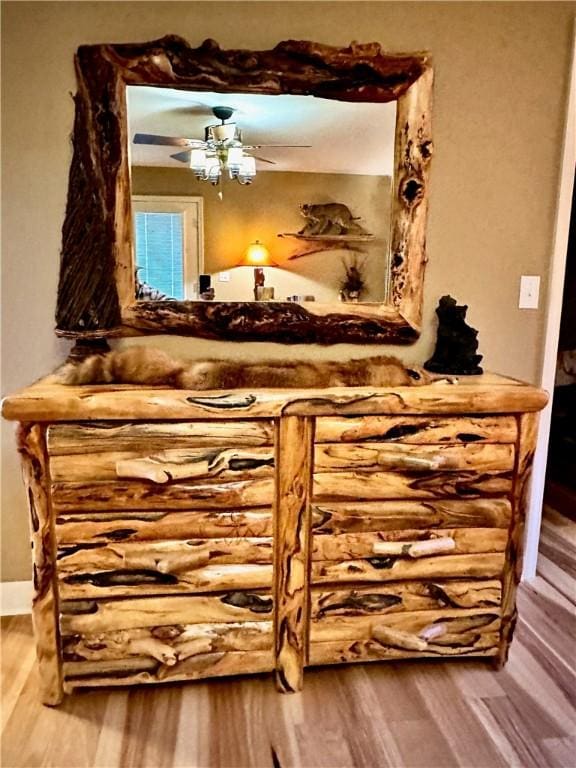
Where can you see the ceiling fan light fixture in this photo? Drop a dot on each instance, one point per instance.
(223, 133)
(247, 170)
(234, 161)
(198, 162)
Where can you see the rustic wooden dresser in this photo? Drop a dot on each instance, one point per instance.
(180, 535)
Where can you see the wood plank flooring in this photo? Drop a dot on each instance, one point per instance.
(402, 715)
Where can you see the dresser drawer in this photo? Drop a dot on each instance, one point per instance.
(420, 634)
(402, 596)
(110, 436)
(354, 486)
(113, 496)
(93, 569)
(417, 430)
(409, 544)
(152, 525)
(359, 516)
(383, 568)
(165, 466)
(375, 457)
(165, 639)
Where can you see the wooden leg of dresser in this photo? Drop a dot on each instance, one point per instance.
(528, 429)
(31, 444)
(294, 452)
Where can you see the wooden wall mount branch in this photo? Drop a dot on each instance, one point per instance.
(96, 294)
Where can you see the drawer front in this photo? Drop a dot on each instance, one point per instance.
(409, 544)
(406, 619)
(375, 457)
(160, 467)
(384, 568)
(128, 495)
(164, 639)
(404, 596)
(420, 634)
(151, 525)
(139, 437)
(93, 569)
(352, 486)
(364, 516)
(417, 430)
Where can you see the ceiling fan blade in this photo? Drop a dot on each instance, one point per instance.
(184, 157)
(168, 141)
(292, 146)
(264, 160)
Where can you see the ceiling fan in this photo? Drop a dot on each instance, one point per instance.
(221, 150)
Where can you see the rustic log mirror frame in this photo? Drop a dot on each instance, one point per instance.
(96, 294)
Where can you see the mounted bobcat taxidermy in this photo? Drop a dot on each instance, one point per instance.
(148, 366)
(330, 219)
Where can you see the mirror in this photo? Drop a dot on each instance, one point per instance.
(307, 151)
(344, 229)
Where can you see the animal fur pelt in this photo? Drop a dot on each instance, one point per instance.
(148, 366)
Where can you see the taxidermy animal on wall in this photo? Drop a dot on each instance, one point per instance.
(152, 367)
(329, 219)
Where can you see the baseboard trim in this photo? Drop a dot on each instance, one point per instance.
(15, 597)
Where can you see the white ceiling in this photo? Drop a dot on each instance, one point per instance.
(345, 137)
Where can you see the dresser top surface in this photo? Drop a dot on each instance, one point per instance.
(48, 400)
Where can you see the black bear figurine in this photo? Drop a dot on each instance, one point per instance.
(456, 342)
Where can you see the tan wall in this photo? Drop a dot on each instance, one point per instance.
(270, 206)
(501, 81)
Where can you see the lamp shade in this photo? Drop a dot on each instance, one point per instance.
(256, 255)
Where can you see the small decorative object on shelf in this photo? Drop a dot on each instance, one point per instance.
(456, 342)
(353, 284)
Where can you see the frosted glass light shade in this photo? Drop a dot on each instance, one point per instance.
(198, 160)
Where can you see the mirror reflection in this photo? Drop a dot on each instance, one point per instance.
(243, 197)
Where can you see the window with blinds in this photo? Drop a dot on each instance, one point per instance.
(168, 245)
(160, 251)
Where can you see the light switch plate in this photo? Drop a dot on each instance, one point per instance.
(529, 291)
(223, 277)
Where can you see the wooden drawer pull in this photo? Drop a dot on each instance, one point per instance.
(398, 638)
(432, 631)
(178, 563)
(410, 461)
(158, 470)
(438, 546)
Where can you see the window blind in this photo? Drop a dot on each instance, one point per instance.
(160, 251)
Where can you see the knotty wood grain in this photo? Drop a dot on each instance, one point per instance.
(168, 644)
(395, 597)
(527, 434)
(388, 715)
(132, 495)
(152, 525)
(96, 291)
(352, 546)
(97, 616)
(50, 401)
(76, 583)
(393, 568)
(348, 486)
(292, 550)
(376, 456)
(66, 439)
(360, 516)
(32, 448)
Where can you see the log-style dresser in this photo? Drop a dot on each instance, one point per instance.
(180, 535)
